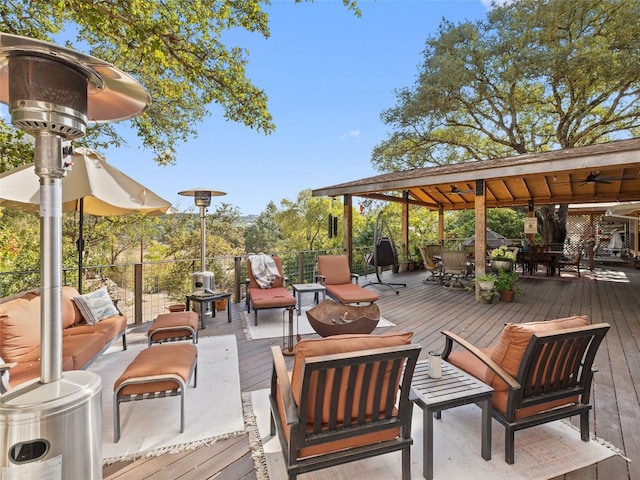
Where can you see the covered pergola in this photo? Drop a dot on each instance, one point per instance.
(606, 172)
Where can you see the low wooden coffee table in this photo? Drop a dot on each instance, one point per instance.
(454, 389)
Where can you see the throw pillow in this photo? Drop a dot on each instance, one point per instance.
(95, 306)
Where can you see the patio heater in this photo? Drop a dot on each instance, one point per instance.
(203, 281)
(52, 427)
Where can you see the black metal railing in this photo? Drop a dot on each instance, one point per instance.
(142, 290)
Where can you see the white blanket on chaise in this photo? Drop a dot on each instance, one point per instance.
(264, 270)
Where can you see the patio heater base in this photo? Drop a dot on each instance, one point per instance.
(35, 424)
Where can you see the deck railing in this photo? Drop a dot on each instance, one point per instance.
(143, 290)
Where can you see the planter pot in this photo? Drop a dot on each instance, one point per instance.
(178, 307)
(486, 285)
(507, 295)
(395, 268)
(221, 304)
(505, 265)
(486, 296)
(403, 267)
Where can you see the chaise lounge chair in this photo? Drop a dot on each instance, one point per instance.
(334, 273)
(275, 295)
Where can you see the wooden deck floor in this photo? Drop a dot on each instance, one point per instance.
(426, 309)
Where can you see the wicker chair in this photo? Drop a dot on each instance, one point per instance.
(454, 268)
(571, 265)
(434, 269)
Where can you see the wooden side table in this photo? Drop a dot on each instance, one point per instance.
(453, 389)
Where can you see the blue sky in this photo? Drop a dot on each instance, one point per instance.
(328, 75)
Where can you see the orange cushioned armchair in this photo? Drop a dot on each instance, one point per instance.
(346, 399)
(540, 372)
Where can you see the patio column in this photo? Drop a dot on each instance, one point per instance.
(441, 226)
(481, 229)
(405, 221)
(347, 227)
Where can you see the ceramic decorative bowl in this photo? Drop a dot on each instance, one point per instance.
(332, 318)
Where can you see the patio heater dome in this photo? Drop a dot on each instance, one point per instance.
(52, 93)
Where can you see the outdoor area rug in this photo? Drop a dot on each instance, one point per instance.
(542, 452)
(213, 409)
(272, 324)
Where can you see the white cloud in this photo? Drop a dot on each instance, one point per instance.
(351, 134)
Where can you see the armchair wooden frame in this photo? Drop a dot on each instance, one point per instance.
(332, 382)
(556, 369)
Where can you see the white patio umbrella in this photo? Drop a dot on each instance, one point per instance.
(91, 186)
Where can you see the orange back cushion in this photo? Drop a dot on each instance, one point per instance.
(515, 337)
(70, 312)
(333, 345)
(19, 327)
(335, 269)
(278, 282)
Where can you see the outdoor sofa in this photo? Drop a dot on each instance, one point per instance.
(82, 342)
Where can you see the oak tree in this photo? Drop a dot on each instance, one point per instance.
(531, 77)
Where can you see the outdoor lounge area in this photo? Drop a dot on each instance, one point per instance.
(605, 295)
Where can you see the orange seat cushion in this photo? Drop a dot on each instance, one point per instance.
(515, 337)
(174, 321)
(274, 297)
(351, 293)
(177, 359)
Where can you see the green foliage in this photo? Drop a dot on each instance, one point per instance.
(505, 221)
(174, 50)
(19, 250)
(16, 148)
(506, 280)
(533, 76)
(305, 222)
(265, 233)
(486, 277)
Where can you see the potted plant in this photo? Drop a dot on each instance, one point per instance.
(403, 258)
(505, 284)
(486, 281)
(486, 296)
(502, 258)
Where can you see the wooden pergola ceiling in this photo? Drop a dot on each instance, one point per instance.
(606, 172)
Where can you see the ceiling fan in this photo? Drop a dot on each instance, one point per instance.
(459, 191)
(597, 178)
